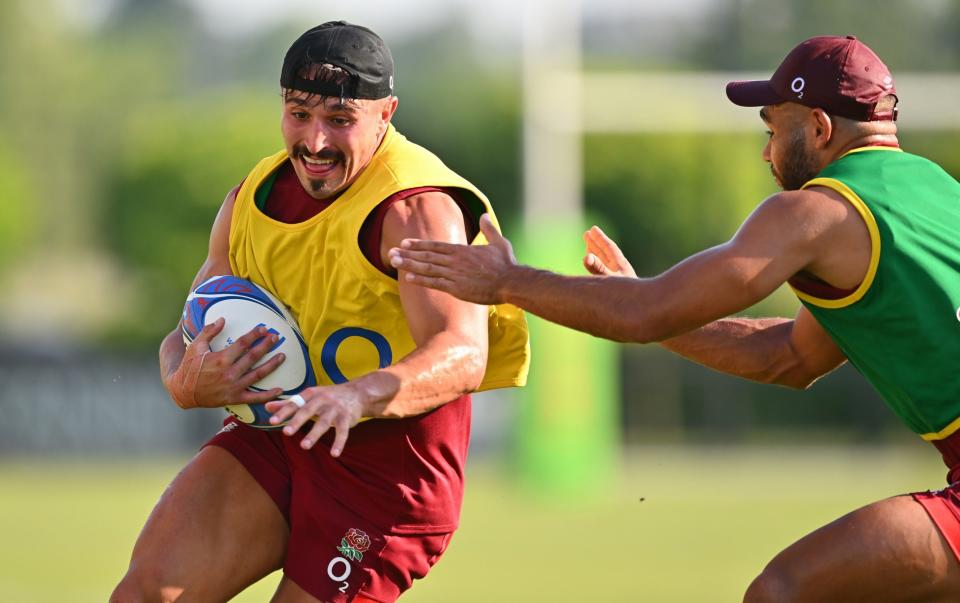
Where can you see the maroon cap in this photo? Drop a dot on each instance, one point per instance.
(840, 75)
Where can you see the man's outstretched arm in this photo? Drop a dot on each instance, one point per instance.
(781, 238)
(793, 353)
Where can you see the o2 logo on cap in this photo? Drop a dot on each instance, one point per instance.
(797, 86)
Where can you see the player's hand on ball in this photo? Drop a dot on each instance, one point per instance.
(211, 379)
(604, 257)
(475, 273)
(332, 406)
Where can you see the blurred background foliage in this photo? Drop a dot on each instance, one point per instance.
(125, 126)
(125, 122)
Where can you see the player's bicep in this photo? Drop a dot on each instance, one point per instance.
(774, 243)
(433, 216)
(777, 241)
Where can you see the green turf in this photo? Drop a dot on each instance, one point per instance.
(682, 525)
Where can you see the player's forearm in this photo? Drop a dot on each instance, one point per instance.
(443, 369)
(757, 349)
(617, 308)
(171, 353)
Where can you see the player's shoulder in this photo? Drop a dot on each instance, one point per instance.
(813, 203)
(225, 214)
(427, 215)
(421, 203)
(231, 197)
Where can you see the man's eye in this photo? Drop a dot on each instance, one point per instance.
(300, 115)
(340, 121)
(769, 134)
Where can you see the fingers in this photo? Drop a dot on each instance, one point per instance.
(249, 377)
(281, 410)
(242, 345)
(594, 265)
(599, 244)
(598, 232)
(208, 332)
(342, 430)
(323, 421)
(419, 263)
(608, 253)
(610, 248)
(252, 397)
(296, 411)
(263, 346)
(431, 282)
(489, 230)
(326, 412)
(427, 245)
(496, 239)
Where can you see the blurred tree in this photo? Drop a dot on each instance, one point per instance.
(29, 156)
(176, 163)
(757, 34)
(471, 122)
(671, 195)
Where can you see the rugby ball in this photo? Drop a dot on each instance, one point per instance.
(245, 305)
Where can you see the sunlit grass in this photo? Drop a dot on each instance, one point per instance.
(682, 525)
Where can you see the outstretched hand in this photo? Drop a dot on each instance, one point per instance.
(604, 257)
(474, 273)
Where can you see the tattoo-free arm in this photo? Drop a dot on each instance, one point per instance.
(195, 376)
(789, 232)
(779, 239)
(451, 335)
(793, 353)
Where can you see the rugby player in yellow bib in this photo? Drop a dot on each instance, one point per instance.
(355, 520)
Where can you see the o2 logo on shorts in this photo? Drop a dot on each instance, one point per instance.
(339, 570)
(352, 546)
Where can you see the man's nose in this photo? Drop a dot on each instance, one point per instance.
(766, 152)
(316, 139)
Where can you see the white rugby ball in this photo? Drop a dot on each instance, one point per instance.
(244, 305)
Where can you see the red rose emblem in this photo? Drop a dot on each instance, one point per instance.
(358, 540)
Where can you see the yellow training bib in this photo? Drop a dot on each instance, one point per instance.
(349, 311)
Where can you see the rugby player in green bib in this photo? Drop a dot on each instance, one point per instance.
(868, 236)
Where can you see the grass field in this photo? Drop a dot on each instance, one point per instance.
(682, 525)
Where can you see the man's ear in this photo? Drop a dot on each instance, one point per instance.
(823, 128)
(387, 110)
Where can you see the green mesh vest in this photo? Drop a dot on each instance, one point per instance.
(901, 327)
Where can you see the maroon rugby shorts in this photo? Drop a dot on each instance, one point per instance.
(333, 552)
(943, 507)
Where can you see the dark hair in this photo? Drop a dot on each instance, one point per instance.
(322, 73)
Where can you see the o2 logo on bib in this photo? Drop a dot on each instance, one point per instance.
(328, 354)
